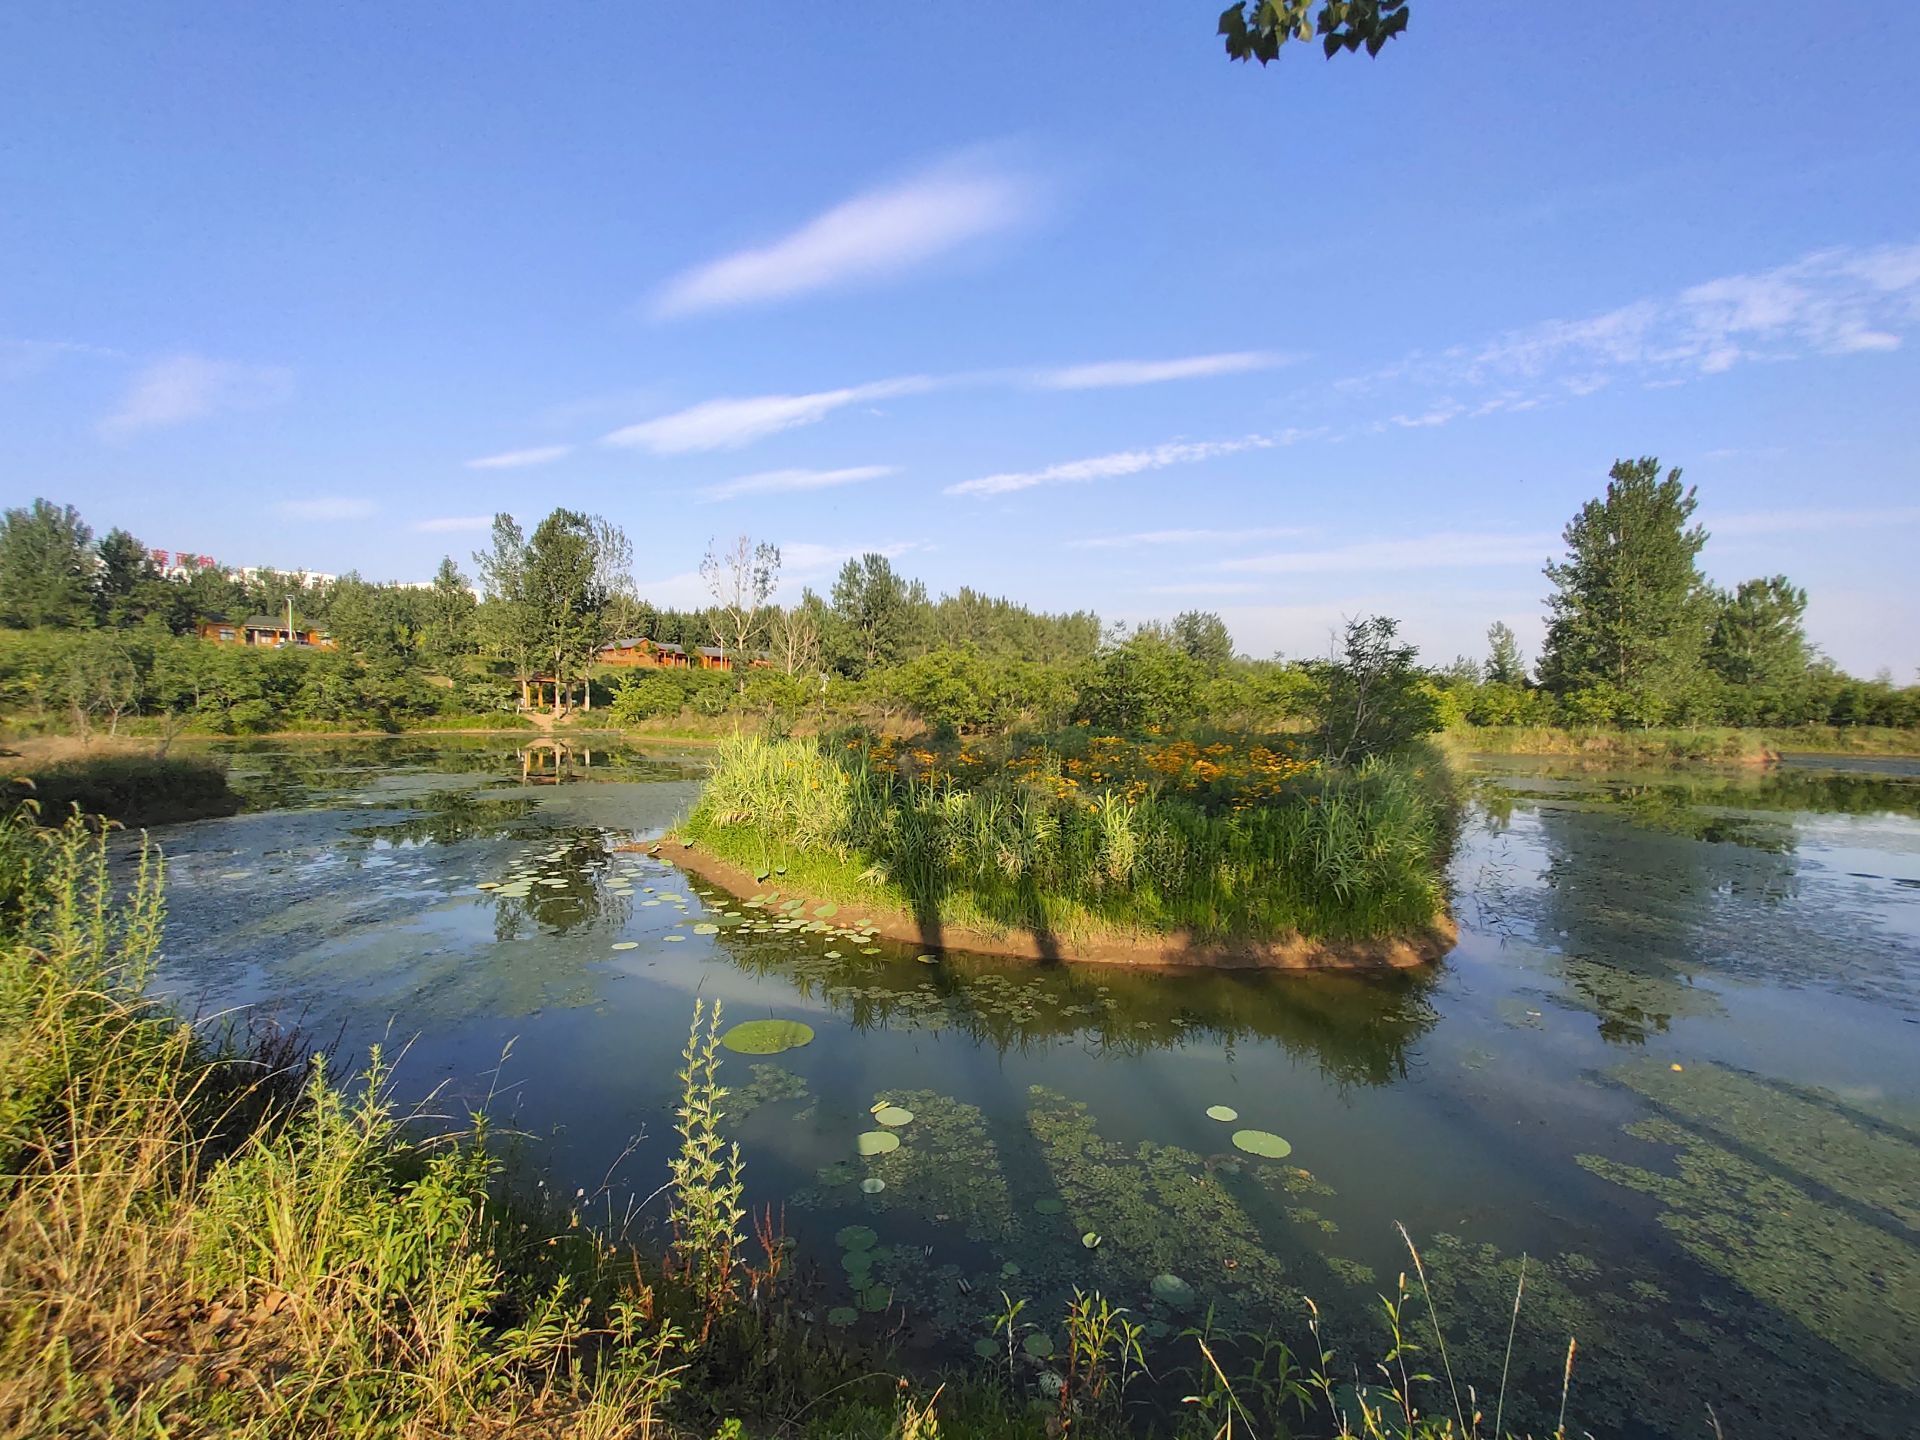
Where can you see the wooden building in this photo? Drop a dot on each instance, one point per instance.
(639, 651)
(264, 630)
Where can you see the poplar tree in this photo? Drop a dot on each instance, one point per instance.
(1628, 619)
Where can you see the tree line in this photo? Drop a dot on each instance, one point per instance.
(1636, 636)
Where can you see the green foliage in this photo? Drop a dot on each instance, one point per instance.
(131, 789)
(1340, 854)
(1627, 622)
(1504, 663)
(876, 618)
(46, 567)
(1374, 699)
(1143, 684)
(1256, 29)
(705, 1211)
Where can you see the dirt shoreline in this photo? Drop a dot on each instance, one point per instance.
(1175, 952)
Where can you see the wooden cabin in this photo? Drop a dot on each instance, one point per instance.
(639, 651)
(264, 630)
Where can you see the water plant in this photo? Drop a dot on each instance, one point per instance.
(705, 1184)
(765, 1037)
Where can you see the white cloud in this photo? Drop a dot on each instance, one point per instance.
(1831, 302)
(772, 482)
(1186, 537)
(1447, 550)
(876, 234)
(327, 507)
(21, 358)
(1106, 467)
(729, 423)
(1207, 587)
(190, 387)
(451, 524)
(519, 459)
(1153, 372)
(1775, 522)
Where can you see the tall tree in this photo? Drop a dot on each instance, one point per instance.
(741, 578)
(1628, 617)
(123, 579)
(450, 606)
(1204, 636)
(876, 616)
(505, 622)
(1758, 647)
(1505, 666)
(46, 567)
(794, 635)
(573, 564)
(1372, 696)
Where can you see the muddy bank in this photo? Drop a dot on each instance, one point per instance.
(1175, 951)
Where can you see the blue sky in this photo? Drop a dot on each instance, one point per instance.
(1050, 300)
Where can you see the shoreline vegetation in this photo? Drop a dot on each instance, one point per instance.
(1081, 846)
(211, 1233)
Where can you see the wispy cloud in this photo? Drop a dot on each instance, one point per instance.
(452, 524)
(774, 482)
(1446, 550)
(190, 387)
(729, 423)
(1207, 587)
(1107, 467)
(874, 235)
(1114, 373)
(804, 559)
(328, 507)
(1776, 522)
(21, 358)
(1187, 537)
(520, 459)
(1833, 302)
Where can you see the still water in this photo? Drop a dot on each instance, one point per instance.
(1674, 1063)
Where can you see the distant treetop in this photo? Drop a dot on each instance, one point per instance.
(1256, 29)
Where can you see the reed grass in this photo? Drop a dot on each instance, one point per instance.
(1341, 855)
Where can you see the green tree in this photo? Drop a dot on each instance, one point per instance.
(46, 567)
(1144, 683)
(1256, 29)
(1204, 636)
(572, 569)
(449, 632)
(741, 578)
(505, 623)
(1374, 699)
(1505, 666)
(1628, 619)
(123, 579)
(876, 618)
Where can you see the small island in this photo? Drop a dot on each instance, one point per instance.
(1233, 851)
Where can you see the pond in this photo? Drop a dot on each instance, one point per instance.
(1674, 1062)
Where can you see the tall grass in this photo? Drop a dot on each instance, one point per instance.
(1344, 855)
(196, 1241)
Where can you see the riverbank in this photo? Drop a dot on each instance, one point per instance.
(1759, 746)
(126, 783)
(817, 882)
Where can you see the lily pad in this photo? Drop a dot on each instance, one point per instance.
(859, 1267)
(1091, 1239)
(1263, 1143)
(626, 944)
(875, 1299)
(1172, 1290)
(842, 1315)
(856, 1237)
(1225, 1114)
(1038, 1344)
(826, 912)
(706, 927)
(893, 1116)
(987, 1349)
(872, 1185)
(876, 1142)
(765, 1037)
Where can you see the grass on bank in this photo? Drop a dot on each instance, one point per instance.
(132, 787)
(1018, 844)
(1711, 743)
(202, 1238)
